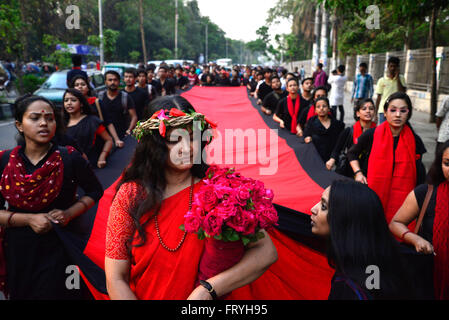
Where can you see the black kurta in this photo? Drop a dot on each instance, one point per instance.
(36, 263)
(323, 139)
(283, 113)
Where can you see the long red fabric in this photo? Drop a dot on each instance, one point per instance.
(293, 110)
(392, 174)
(357, 130)
(440, 242)
(300, 272)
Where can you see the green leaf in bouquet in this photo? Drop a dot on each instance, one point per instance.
(260, 235)
(245, 240)
(234, 236)
(201, 234)
(218, 237)
(182, 227)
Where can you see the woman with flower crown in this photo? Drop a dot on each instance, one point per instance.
(147, 255)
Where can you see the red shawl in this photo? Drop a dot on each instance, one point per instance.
(31, 192)
(441, 242)
(392, 187)
(293, 112)
(311, 112)
(91, 100)
(357, 130)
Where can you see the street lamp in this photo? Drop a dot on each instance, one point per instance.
(206, 58)
(100, 18)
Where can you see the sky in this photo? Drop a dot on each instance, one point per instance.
(240, 19)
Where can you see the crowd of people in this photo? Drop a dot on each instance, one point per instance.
(380, 152)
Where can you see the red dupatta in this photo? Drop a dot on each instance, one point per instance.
(440, 242)
(357, 130)
(293, 112)
(392, 186)
(34, 191)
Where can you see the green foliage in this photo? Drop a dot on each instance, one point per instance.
(62, 58)
(10, 27)
(134, 56)
(28, 83)
(164, 54)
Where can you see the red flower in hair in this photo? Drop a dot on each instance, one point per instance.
(211, 123)
(162, 128)
(176, 113)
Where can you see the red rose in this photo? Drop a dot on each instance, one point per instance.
(243, 221)
(206, 198)
(268, 217)
(212, 223)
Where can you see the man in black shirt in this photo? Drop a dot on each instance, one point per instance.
(142, 77)
(264, 87)
(76, 70)
(140, 96)
(119, 105)
(271, 100)
(204, 75)
(163, 85)
(223, 80)
(181, 81)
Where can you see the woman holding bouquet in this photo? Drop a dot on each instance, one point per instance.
(147, 255)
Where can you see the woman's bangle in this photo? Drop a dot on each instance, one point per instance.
(403, 235)
(8, 224)
(358, 171)
(209, 289)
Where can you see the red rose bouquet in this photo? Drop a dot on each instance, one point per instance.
(228, 211)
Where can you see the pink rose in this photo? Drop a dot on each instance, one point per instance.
(206, 198)
(269, 194)
(212, 223)
(192, 222)
(227, 209)
(242, 195)
(222, 191)
(243, 221)
(268, 216)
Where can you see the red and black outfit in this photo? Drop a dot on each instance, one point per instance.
(435, 229)
(393, 165)
(289, 110)
(36, 263)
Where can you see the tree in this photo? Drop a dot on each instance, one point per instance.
(142, 32)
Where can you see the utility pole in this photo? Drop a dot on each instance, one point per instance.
(100, 18)
(207, 44)
(226, 48)
(142, 33)
(316, 35)
(176, 29)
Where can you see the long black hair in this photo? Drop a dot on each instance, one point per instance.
(84, 105)
(79, 76)
(148, 166)
(435, 175)
(360, 237)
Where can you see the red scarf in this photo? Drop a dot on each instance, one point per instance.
(91, 100)
(311, 112)
(293, 112)
(357, 130)
(392, 187)
(32, 192)
(441, 242)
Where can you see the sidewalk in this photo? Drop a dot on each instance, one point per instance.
(420, 123)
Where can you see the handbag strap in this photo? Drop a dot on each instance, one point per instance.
(100, 114)
(424, 207)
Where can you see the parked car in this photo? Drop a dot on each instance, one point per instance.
(120, 67)
(53, 88)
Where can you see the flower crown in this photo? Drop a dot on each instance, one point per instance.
(162, 119)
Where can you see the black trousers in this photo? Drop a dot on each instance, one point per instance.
(342, 112)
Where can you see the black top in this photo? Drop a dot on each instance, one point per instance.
(305, 112)
(272, 99)
(224, 82)
(118, 114)
(104, 112)
(181, 81)
(282, 110)
(426, 230)
(264, 90)
(84, 133)
(36, 263)
(253, 84)
(168, 85)
(344, 141)
(323, 139)
(141, 100)
(363, 150)
(235, 82)
(74, 72)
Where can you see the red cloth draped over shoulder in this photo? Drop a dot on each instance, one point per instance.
(357, 130)
(440, 242)
(392, 186)
(293, 110)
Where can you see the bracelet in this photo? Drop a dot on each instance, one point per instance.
(209, 289)
(8, 224)
(355, 173)
(403, 235)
